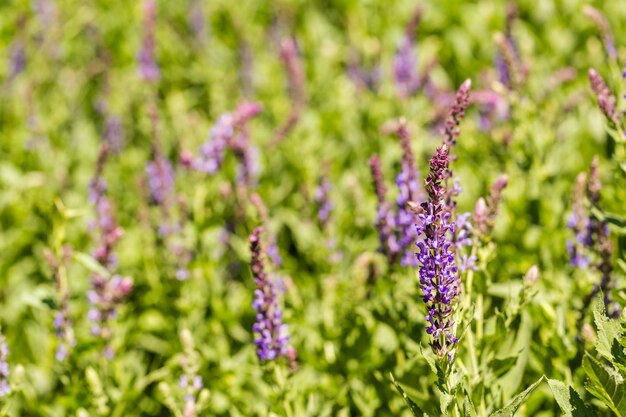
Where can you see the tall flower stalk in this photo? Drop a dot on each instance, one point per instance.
(405, 71)
(292, 60)
(107, 290)
(385, 217)
(438, 275)
(271, 337)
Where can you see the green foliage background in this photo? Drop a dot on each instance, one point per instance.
(352, 318)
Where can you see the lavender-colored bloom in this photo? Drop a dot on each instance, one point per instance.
(385, 217)
(106, 293)
(148, 68)
(579, 223)
(18, 58)
(5, 389)
(405, 61)
(195, 19)
(404, 68)
(160, 179)
(606, 100)
(322, 199)
(271, 333)
(114, 133)
(364, 77)
(410, 192)
(438, 275)
(45, 10)
(229, 132)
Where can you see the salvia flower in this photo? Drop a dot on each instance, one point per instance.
(322, 198)
(606, 100)
(106, 293)
(486, 211)
(365, 77)
(410, 192)
(160, 178)
(271, 338)
(190, 381)
(604, 27)
(405, 61)
(229, 132)
(272, 245)
(148, 68)
(579, 223)
(5, 389)
(62, 323)
(507, 60)
(596, 242)
(385, 217)
(438, 275)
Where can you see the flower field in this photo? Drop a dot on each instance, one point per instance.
(312, 208)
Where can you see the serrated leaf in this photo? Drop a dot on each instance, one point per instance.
(569, 401)
(510, 409)
(609, 331)
(468, 407)
(606, 385)
(415, 410)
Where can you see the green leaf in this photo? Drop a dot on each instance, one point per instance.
(516, 402)
(415, 410)
(609, 332)
(617, 221)
(90, 263)
(606, 385)
(568, 399)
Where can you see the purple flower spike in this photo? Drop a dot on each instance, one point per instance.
(271, 333)
(229, 132)
(405, 61)
(385, 217)
(438, 275)
(606, 100)
(160, 179)
(148, 68)
(410, 192)
(322, 198)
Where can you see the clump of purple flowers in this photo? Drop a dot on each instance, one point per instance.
(579, 223)
(397, 230)
(229, 132)
(271, 333)
(438, 275)
(148, 68)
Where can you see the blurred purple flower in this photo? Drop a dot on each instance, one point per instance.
(271, 333)
(148, 68)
